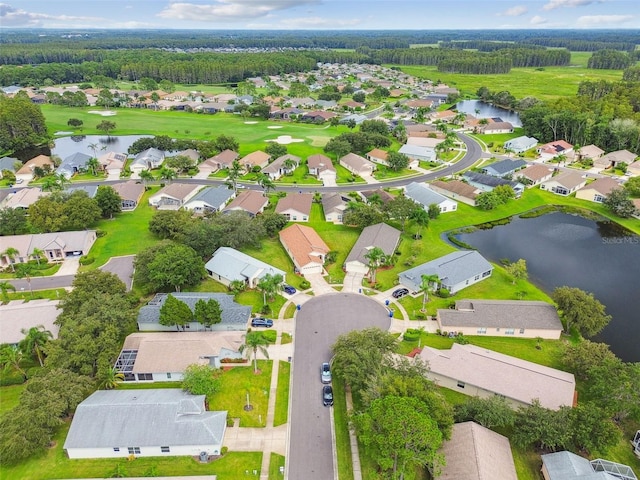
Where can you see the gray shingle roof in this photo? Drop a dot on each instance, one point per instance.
(488, 180)
(232, 313)
(150, 155)
(234, 265)
(7, 163)
(73, 162)
(90, 190)
(155, 417)
(212, 196)
(504, 167)
(422, 194)
(380, 235)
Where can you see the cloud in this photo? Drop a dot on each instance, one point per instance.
(538, 20)
(14, 17)
(226, 10)
(514, 11)
(307, 22)
(553, 4)
(601, 20)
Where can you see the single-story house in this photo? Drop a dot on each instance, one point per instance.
(219, 162)
(130, 192)
(418, 139)
(164, 356)
(504, 167)
(25, 172)
(228, 264)
(422, 194)
(255, 159)
(174, 196)
(534, 174)
(234, 315)
(476, 453)
(378, 156)
(569, 466)
(419, 103)
(417, 153)
(564, 184)
(598, 190)
(356, 117)
(209, 200)
(249, 201)
(455, 271)
(56, 246)
(144, 423)
(518, 318)
(358, 165)
(634, 168)
(90, 190)
(295, 206)
(591, 152)
(321, 167)
(476, 371)
(444, 116)
(285, 113)
(8, 164)
(23, 198)
(305, 247)
(457, 190)
(17, 316)
(613, 159)
(487, 183)
(147, 160)
(317, 116)
(73, 164)
(280, 166)
(334, 206)
(380, 235)
(113, 163)
(555, 148)
(377, 195)
(495, 127)
(520, 144)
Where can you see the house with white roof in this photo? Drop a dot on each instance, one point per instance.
(147, 160)
(18, 316)
(56, 245)
(417, 153)
(320, 166)
(421, 193)
(520, 144)
(228, 264)
(569, 466)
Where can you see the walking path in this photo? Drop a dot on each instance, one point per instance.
(353, 440)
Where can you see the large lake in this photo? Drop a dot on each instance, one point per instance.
(66, 146)
(562, 249)
(486, 110)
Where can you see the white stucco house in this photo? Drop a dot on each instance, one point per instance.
(421, 193)
(228, 264)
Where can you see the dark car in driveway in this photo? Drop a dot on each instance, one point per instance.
(261, 322)
(327, 396)
(289, 289)
(400, 292)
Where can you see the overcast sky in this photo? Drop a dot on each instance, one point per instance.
(321, 14)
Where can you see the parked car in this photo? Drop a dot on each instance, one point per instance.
(327, 396)
(325, 373)
(289, 289)
(262, 322)
(400, 292)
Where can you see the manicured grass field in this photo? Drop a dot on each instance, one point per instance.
(276, 461)
(341, 422)
(282, 394)
(55, 294)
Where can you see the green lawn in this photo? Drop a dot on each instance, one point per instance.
(275, 462)
(341, 425)
(282, 394)
(385, 173)
(55, 294)
(10, 397)
(255, 299)
(299, 176)
(235, 383)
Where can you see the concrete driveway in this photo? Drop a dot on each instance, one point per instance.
(352, 282)
(318, 324)
(122, 267)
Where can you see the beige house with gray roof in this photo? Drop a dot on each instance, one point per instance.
(564, 184)
(380, 235)
(174, 196)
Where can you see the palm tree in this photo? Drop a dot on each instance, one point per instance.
(255, 341)
(237, 286)
(167, 174)
(34, 339)
(234, 173)
(146, 176)
(289, 164)
(11, 356)
(266, 183)
(421, 217)
(62, 180)
(37, 254)
(93, 165)
(12, 253)
(49, 183)
(375, 257)
(110, 378)
(94, 148)
(4, 286)
(426, 286)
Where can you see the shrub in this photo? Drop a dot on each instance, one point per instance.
(444, 292)
(461, 339)
(411, 335)
(304, 284)
(265, 310)
(100, 233)
(224, 450)
(13, 378)
(87, 260)
(270, 336)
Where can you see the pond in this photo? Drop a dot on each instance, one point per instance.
(66, 146)
(486, 110)
(562, 249)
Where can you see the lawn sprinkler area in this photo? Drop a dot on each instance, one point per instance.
(286, 140)
(103, 113)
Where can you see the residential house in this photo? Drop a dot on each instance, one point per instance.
(478, 372)
(23, 198)
(147, 160)
(190, 153)
(564, 184)
(357, 165)
(379, 235)
(303, 102)
(476, 453)
(280, 166)
(598, 190)
(90, 190)
(326, 105)
(555, 148)
(377, 156)
(503, 168)
(518, 318)
(589, 152)
(295, 206)
(419, 103)
(164, 356)
(334, 205)
(209, 200)
(287, 113)
(56, 246)
(445, 116)
(18, 317)
(305, 247)
(219, 162)
(234, 315)
(534, 174)
(495, 127)
(322, 168)
(422, 194)
(145, 423)
(113, 163)
(356, 117)
(352, 105)
(455, 271)
(416, 153)
(228, 265)
(73, 164)
(569, 466)
(317, 116)
(634, 168)
(26, 172)
(255, 159)
(456, 190)
(8, 164)
(174, 196)
(424, 141)
(130, 192)
(487, 183)
(613, 159)
(520, 144)
(249, 201)
(376, 196)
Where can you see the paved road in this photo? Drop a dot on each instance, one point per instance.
(43, 283)
(320, 321)
(122, 267)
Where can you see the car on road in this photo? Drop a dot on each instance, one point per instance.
(327, 396)
(400, 292)
(325, 373)
(289, 289)
(262, 322)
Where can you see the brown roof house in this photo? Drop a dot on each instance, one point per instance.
(255, 159)
(476, 371)
(634, 168)
(591, 152)
(508, 318)
(249, 201)
(283, 165)
(322, 168)
(457, 190)
(305, 247)
(295, 206)
(130, 192)
(613, 159)
(357, 165)
(378, 156)
(534, 174)
(23, 198)
(380, 235)
(477, 453)
(219, 162)
(564, 184)
(113, 163)
(379, 195)
(174, 196)
(26, 174)
(598, 190)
